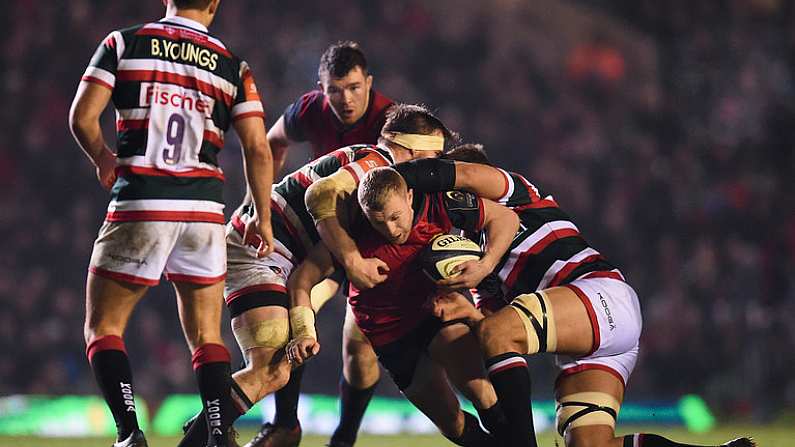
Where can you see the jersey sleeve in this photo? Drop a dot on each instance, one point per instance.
(365, 161)
(296, 115)
(247, 102)
(520, 193)
(102, 68)
(464, 210)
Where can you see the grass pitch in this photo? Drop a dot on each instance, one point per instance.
(765, 436)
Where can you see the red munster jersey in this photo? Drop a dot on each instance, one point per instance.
(390, 310)
(311, 119)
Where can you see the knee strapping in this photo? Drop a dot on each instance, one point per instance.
(536, 314)
(587, 408)
(273, 334)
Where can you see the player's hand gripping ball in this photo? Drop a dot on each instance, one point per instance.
(445, 252)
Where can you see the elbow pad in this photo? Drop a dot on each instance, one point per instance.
(428, 174)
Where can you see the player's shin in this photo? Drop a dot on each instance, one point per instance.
(213, 374)
(353, 403)
(108, 358)
(197, 433)
(511, 379)
(286, 400)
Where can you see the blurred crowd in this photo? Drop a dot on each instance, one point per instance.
(665, 129)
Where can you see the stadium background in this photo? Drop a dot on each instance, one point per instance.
(664, 128)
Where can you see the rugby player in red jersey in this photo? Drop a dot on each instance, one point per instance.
(563, 297)
(176, 90)
(417, 350)
(256, 288)
(343, 111)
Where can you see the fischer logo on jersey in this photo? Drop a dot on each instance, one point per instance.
(164, 94)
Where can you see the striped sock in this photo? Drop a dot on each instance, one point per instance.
(511, 379)
(108, 358)
(213, 374)
(197, 433)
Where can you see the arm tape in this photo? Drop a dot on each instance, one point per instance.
(302, 322)
(321, 197)
(428, 174)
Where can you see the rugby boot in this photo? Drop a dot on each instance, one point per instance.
(270, 435)
(136, 439)
(230, 439)
(741, 442)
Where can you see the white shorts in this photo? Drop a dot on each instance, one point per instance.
(140, 252)
(615, 316)
(249, 275)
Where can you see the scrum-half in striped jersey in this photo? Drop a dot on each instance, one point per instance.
(294, 230)
(176, 90)
(548, 250)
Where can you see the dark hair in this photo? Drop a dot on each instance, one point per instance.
(468, 152)
(377, 186)
(415, 118)
(192, 4)
(339, 59)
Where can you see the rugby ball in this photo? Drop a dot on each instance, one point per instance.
(445, 252)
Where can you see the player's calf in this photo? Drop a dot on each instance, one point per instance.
(359, 362)
(360, 377)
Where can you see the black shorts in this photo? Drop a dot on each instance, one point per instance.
(400, 357)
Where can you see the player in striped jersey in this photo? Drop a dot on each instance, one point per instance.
(176, 90)
(256, 292)
(563, 298)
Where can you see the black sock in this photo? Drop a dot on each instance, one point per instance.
(353, 403)
(494, 420)
(197, 433)
(214, 376)
(108, 359)
(511, 379)
(651, 440)
(287, 401)
(473, 435)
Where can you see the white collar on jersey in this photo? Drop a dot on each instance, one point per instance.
(179, 20)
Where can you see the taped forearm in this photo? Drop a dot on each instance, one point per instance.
(302, 322)
(323, 195)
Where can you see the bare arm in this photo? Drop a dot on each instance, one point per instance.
(258, 166)
(317, 265)
(326, 200)
(87, 106)
(279, 141)
(500, 225)
(486, 181)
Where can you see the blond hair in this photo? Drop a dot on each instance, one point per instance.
(377, 185)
